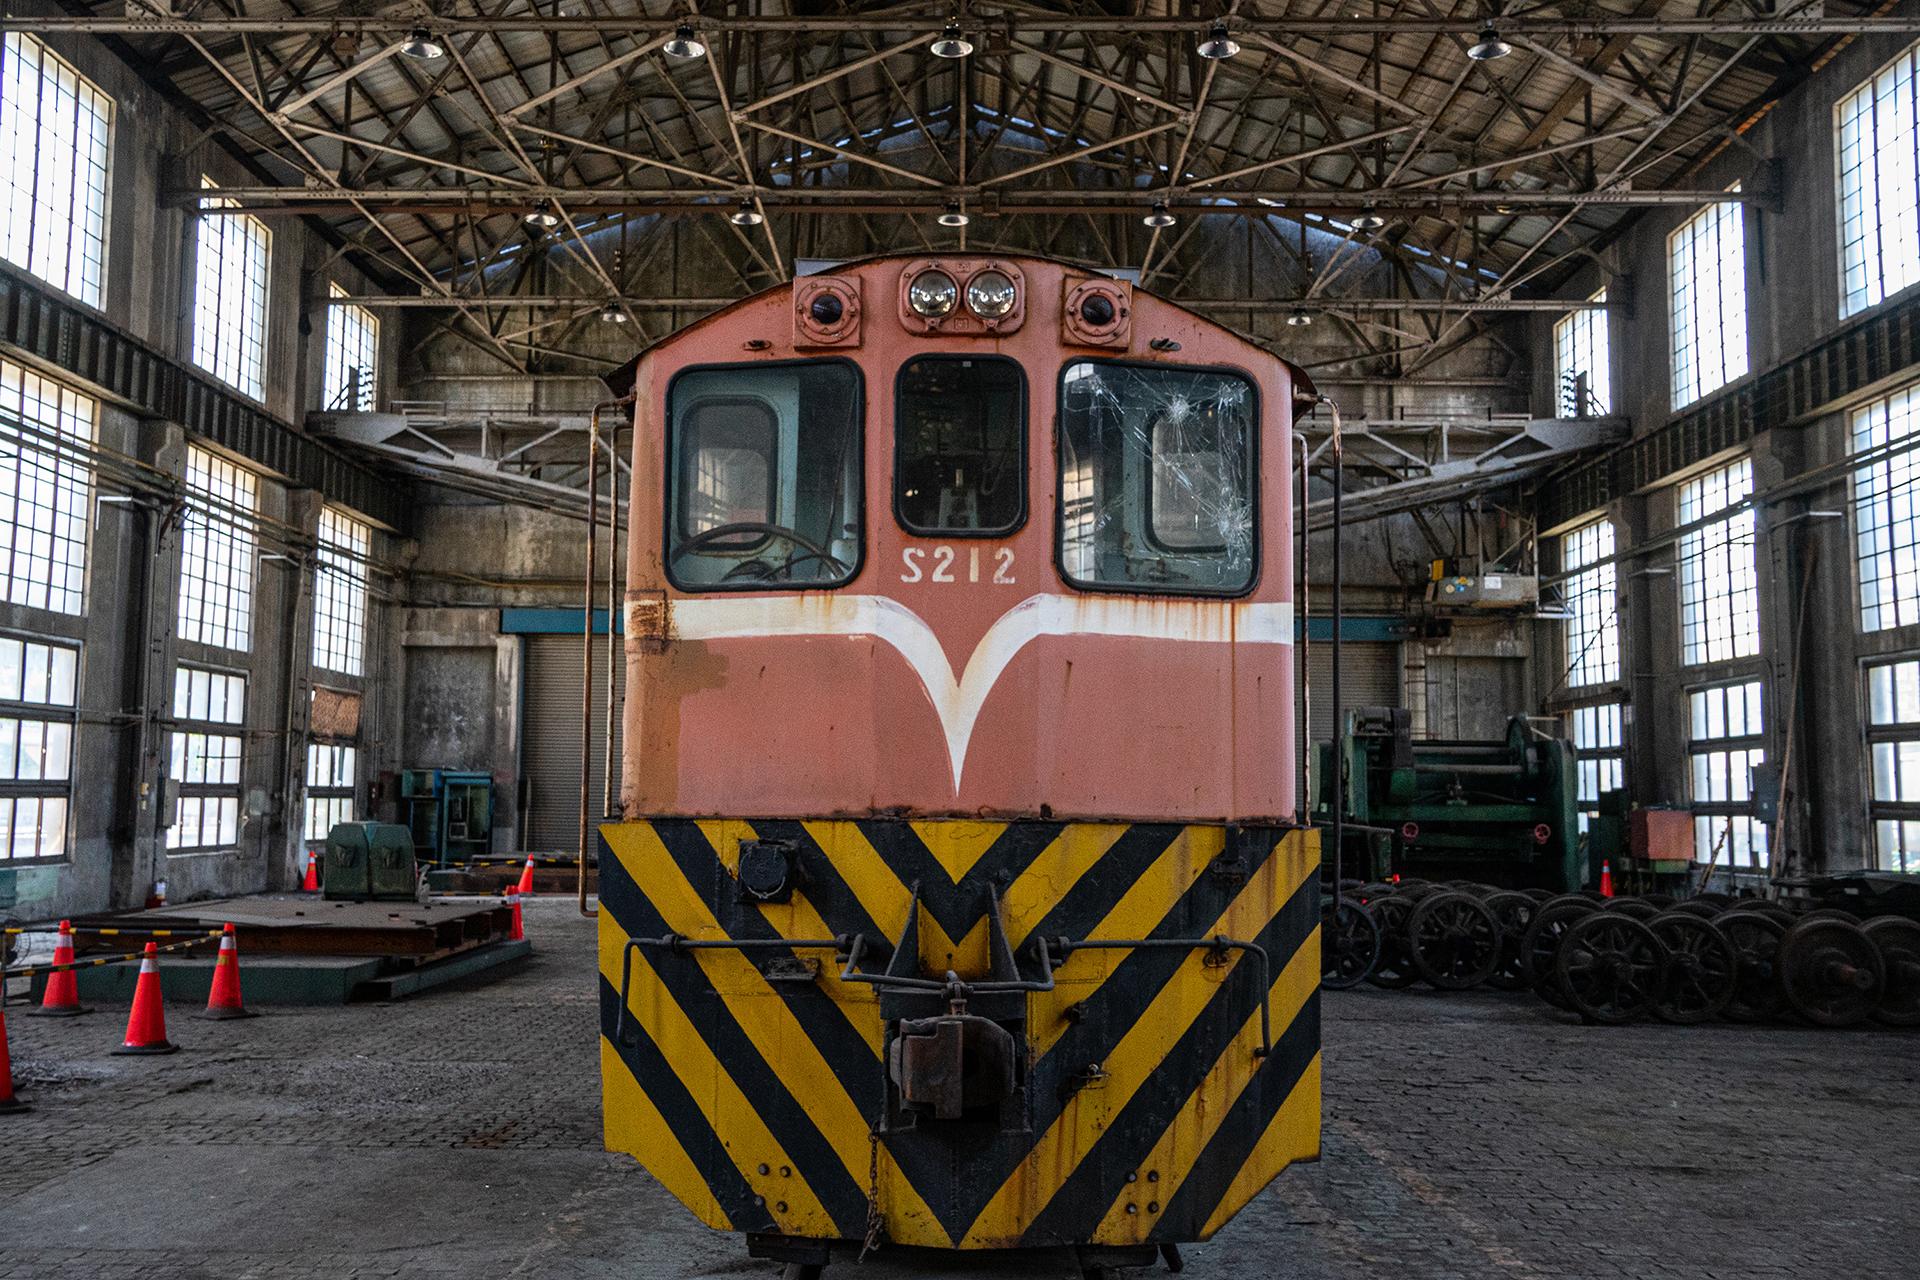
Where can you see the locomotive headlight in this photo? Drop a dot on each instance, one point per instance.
(990, 295)
(932, 295)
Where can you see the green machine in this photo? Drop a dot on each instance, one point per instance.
(368, 860)
(1497, 812)
(450, 813)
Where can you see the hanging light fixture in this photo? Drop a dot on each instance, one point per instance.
(421, 46)
(955, 216)
(543, 216)
(1217, 45)
(685, 43)
(746, 215)
(1491, 46)
(1158, 216)
(1298, 318)
(1369, 220)
(612, 312)
(951, 43)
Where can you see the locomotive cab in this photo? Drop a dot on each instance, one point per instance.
(960, 898)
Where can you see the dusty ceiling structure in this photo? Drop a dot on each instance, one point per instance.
(832, 129)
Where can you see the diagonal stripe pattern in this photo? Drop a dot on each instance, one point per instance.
(752, 1081)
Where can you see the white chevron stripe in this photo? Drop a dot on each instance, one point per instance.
(958, 702)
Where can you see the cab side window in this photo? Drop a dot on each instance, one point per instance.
(764, 476)
(1156, 478)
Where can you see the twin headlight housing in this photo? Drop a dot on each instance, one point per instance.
(990, 294)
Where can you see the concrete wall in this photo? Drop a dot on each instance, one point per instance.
(116, 842)
(1805, 567)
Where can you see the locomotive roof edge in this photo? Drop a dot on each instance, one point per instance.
(620, 381)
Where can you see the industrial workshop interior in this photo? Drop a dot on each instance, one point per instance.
(960, 638)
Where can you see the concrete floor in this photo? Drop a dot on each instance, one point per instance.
(458, 1133)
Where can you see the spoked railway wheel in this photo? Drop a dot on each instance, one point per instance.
(1610, 966)
(1703, 969)
(1393, 969)
(1831, 972)
(1454, 940)
(1514, 911)
(1540, 949)
(1899, 942)
(1349, 945)
(1755, 936)
(1638, 908)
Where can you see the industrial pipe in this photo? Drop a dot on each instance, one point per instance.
(1303, 803)
(613, 603)
(586, 633)
(1339, 781)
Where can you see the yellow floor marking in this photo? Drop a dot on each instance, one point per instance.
(1139, 1052)
(635, 1126)
(1173, 1156)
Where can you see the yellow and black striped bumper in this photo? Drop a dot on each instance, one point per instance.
(753, 1082)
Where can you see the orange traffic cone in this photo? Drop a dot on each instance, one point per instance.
(311, 883)
(519, 929)
(147, 1024)
(62, 998)
(525, 887)
(8, 1102)
(223, 997)
(1606, 879)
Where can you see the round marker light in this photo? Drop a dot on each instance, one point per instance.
(990, 295)
(932, 294)
(1097, 310)
(826, 310)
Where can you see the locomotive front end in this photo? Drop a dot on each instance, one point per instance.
(960, 899)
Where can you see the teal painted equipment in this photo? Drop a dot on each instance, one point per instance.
(450, 813)
(1498, 812)
(367, 860)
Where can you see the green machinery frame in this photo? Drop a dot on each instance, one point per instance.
(1503, 812)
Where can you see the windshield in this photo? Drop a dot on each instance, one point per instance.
(764, 467)
(1156, 478)
(958, 428)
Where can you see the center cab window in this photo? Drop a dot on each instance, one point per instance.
(1156, 478)
(764, 476)
(959, 440)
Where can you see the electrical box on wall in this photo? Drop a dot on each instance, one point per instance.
(1485, 591)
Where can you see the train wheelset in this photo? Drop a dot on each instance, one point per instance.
(1613, 961)
(1453, 936)
(1749, 961)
